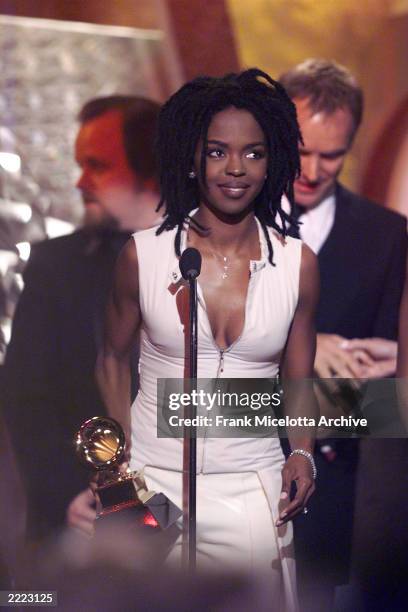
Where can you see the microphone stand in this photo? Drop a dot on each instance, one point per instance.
(190, 267)
(191, 433)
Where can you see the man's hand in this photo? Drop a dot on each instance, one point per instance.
(298, 469)
(81, 512)
(333, 360)
(383, 353)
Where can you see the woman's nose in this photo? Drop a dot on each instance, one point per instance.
(235, 166)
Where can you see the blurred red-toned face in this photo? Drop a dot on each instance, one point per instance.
(326, 139)
(236, 162)
(107, 183)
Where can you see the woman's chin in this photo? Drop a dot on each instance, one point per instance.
(232, 211)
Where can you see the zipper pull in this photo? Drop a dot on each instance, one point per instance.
(221, 366)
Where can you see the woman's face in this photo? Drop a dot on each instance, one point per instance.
(236, 162)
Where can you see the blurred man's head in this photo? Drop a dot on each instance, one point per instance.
(115, 151)
(329, 106)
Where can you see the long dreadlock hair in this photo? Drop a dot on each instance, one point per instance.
(184, 121)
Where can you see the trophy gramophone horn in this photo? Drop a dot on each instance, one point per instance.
(100, 443)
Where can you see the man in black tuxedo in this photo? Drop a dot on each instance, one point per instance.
(49, 369)
(361, 249)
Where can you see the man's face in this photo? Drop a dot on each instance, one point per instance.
(326, 138)
(107, 183)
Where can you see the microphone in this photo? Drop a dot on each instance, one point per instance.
(190, 263)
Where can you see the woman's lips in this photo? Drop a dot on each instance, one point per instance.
(233, 190)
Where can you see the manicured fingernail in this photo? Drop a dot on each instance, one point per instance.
(344, 344)
(279, 523)
(283, 495)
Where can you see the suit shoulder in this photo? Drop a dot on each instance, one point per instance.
(62, 242)
(49, 255)
(371, 212)
(61, 245)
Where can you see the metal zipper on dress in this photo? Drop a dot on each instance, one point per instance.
(220, 369)
(221, 352)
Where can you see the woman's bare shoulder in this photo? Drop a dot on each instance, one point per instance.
(128, 254)
(309, 282)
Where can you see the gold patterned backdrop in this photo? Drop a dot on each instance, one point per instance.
(368, 36)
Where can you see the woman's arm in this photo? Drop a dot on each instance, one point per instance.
(299, 398)
(121, 324)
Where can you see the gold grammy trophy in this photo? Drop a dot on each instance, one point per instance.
(100, 445)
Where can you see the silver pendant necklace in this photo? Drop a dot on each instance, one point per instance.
(225, 263)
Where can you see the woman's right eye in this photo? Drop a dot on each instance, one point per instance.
(215, 153)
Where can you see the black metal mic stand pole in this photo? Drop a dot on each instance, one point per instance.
(190, 267)
(192, 459)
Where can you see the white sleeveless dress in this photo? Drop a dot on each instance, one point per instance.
(221, 462)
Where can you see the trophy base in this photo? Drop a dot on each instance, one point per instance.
(156, 511)
(133, 515)
(118, 495)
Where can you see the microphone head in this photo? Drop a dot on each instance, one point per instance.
(190, 263)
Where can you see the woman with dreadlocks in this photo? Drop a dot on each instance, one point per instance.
(228, 152)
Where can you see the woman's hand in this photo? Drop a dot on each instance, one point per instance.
(82, 510)
(298, 469)
(81, 513)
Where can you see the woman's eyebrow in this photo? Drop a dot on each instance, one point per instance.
(225, 144)
(260, 143)
(218, 142)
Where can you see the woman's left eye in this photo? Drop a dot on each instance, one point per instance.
(256, 155)
(215, 153)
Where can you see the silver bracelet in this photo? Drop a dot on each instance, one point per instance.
(309, 457)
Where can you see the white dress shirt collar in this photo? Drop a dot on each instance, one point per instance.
(316, 223)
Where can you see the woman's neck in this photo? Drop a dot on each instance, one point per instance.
(225, 235)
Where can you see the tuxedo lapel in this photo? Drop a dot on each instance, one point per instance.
(340, 266)
(339, 236)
